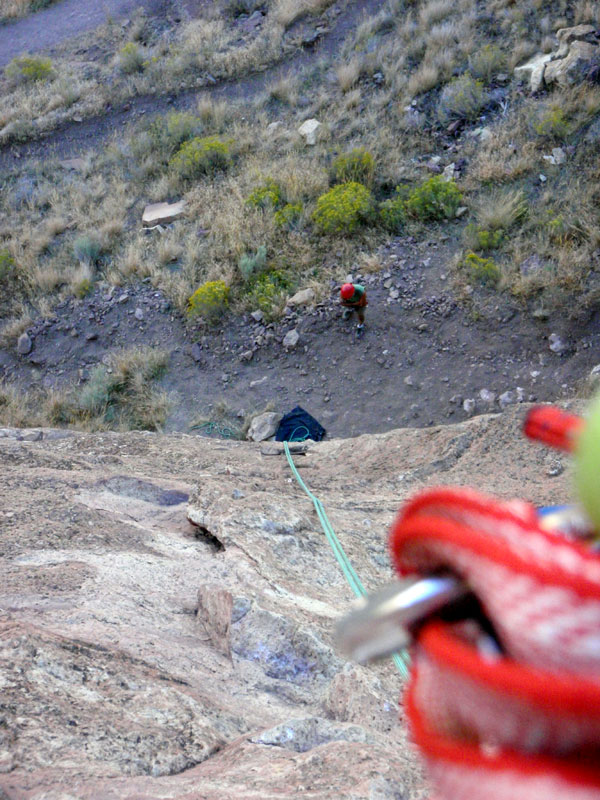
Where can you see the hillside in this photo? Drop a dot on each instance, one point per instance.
(144, 657)
(464, 201)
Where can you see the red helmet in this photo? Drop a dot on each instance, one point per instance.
(347, 291)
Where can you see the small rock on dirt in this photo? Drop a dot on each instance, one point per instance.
(556, 344)
(302, 298)
(291, 339)
(24, 344)
(507, 399)
(309, 129)
(469, 406)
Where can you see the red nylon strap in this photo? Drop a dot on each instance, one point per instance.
(524, 725)
(553, 427)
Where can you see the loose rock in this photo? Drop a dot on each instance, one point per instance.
(162, 213)
(263, 426)
(291, 338)
(24, 344)
(309, 129)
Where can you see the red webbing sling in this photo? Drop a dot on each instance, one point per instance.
(522, 723)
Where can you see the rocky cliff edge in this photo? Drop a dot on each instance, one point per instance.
(143, 656)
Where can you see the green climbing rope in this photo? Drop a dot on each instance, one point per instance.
(300, 434)
(400, 660)
(209, 428)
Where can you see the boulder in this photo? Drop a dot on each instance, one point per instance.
(24, 344)
(576, 58)
(309, 129)
(302, 298)
(290, 340)
(162, 213)
(533, 71)
(263, 426)
(581, 33)
(575, 66)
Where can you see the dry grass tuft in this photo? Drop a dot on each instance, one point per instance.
(348, 74)
(501, 210)
(287, 12)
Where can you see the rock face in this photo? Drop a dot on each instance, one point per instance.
(162, 213)
(145, 657)
(576, 59)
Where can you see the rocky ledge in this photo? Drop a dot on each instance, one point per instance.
(167, 606)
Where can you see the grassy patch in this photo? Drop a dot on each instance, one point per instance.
(119, 396)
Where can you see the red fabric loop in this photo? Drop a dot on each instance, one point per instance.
(537, 705)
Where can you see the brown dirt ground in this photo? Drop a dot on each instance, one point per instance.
(420, 356)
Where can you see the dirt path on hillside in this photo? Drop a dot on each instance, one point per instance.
(421, 357)
(75, 138)
(53, 25)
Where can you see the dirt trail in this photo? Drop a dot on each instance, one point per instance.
(52, 26)
(421, 356)
(75, 138)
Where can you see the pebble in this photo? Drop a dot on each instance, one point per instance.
(469, 405)
(24, 344)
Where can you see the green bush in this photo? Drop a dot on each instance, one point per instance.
(434, 199)
(482, 270)
(200, 156)
(551, 123)
(267, 196)
(87, 249)
(209, 301)
(487, 62)
(357, 165)
(462, 99)
(28, 69)
(343, 209)
(7, 264)
(268, 292)
(124, 397)
(482, 240)
(290, 216)
(131, 59)
(392, 212)
(169, 132)
(250, 265)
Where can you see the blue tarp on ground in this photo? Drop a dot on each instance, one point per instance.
(298, 425)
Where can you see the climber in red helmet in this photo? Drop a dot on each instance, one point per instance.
(354, 298)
